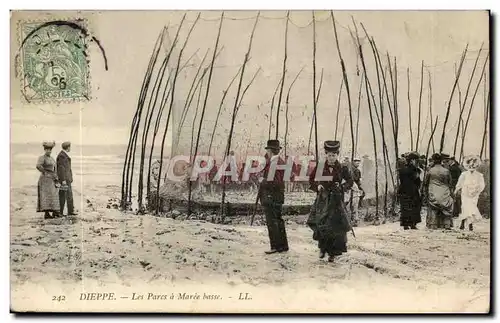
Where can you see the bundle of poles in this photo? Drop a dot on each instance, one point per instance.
(380, 93)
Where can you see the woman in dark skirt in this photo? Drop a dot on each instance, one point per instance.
(328, 217)
(409, 192)
(48, 196)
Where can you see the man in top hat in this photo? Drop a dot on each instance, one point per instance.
(328, 218)
(409, 192)
(65, 175)
(272, 197)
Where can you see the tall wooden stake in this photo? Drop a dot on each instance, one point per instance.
(441, 145)
(272, 107)
(283, 76)
(420, 104)
(338, 108)
(358, 114)
(315, 109)
(462, 106)
(486, 119)
(204, 107)
(286, 109)
(367, 85)
(430, 112)
(172, 100)
(126, 189)
(409, 109)
(346, 81)
(189, 98)
(471, 106)
(235, 111)
(314, 114)
(221, 104)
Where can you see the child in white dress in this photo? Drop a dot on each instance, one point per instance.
(471, 184)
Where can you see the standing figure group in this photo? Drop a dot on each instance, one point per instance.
(446, 189)
(328, 217)
(54, 184)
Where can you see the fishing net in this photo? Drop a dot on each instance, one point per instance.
(276, 104)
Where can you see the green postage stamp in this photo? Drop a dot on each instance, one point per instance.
(54, 63)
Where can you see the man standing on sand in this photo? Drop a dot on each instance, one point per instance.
(65, 176)
(272, 197)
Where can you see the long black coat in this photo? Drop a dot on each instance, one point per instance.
(64, 172)
(409, 195)
(328, 217)
(273, 190)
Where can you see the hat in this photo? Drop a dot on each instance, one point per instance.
(366, 156)
(273, 144)
(332, 146)
(471, 162)
(412, 155)
(356, 159)
(65, 145)
(48, 144)
(445, 156)
(437, 157)
(423, 157)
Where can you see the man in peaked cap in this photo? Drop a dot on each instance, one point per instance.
(65, 175)
(272, 197)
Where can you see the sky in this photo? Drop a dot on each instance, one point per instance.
(436, 38)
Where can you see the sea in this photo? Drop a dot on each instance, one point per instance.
(98, 164)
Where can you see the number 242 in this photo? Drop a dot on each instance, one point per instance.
(59, 298)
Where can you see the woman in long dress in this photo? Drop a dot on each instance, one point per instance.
(48, 196)
(471, 184)
(438, 186)
(409, 193)
(328, 217)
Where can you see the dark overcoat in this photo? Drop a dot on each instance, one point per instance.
(328, 217)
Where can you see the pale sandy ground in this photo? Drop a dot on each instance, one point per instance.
(102, 250)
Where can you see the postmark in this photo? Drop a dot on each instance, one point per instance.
(54, 62)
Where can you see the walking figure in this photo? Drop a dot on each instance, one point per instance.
(272, 197)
